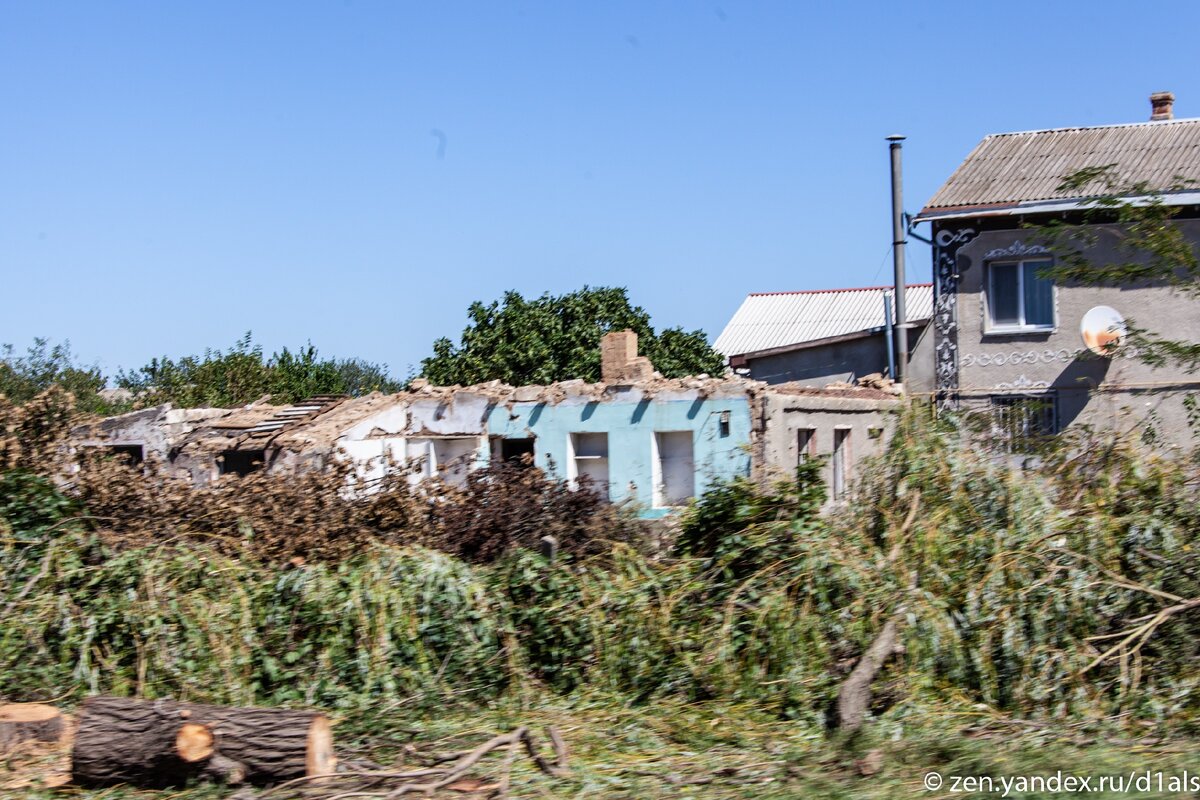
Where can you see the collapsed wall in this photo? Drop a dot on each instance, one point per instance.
(635, 436)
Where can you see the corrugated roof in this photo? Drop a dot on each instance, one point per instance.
(1008, 169)
(771, 320)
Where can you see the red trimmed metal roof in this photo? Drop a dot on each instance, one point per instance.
(771, 320)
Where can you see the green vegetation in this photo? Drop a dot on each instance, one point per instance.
(242, 374)
(23, 377)
(551, 338)
(222, 379)
(520, 342)
(1040, 611)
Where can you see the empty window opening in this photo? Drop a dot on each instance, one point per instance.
(1023, 423)
(723, 424)
(588, 461)
(418, 456)
(455, 458)
(518, 450)
(447, 458)
(806, 441)
(674, 468)
(242, 462)
(841, 443)
(131, 454)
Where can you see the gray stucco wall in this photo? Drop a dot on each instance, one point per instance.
(920, 380)
(845, 361)
(1120, 392)
(869, 423)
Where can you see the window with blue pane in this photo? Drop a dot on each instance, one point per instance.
(1018, 297)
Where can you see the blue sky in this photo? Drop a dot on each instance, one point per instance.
(356, 173)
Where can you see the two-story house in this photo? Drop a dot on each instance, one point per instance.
(1008, 342)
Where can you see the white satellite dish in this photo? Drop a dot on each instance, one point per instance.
(1103, 330)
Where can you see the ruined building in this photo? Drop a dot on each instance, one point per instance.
(640, 438)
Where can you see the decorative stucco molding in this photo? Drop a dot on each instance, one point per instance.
(1017, 249)
(946, 245)
(1047, 356)
(1022, 382)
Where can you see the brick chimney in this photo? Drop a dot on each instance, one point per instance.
(619, 361)
(1161, 104)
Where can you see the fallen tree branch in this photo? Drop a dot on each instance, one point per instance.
(541, 763)
(560, 746)
(902, 534)
(34, 581)
(854, 696)
(465, 763)
(432, 778)
(1133, 638)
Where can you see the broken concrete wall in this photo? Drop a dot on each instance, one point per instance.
(839, 426)
(155, 430)
(652, 443)
(198, 457)
(711, 423)
(432, 432)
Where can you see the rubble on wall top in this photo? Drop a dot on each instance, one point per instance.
(329, 425)
(499, 392)
(245, 418)
(322, 423)
(97, 426)
(834, 390)
(871, 388)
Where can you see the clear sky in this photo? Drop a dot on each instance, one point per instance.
(356, 173)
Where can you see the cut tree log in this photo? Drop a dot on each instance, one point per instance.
(160, 743)
(29, 722)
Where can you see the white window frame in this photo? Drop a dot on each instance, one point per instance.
(1021, 327)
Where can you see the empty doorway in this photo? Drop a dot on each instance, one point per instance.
(674, 468)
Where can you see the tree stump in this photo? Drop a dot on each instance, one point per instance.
(160, 743)
(29, 722)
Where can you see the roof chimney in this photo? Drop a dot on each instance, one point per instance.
(619, 361)
(1160, 106)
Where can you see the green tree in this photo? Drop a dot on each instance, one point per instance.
(1153, 250)
(243, 374)
(24, 377)
(555, 338)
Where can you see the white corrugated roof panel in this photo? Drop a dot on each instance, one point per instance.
(770, 320)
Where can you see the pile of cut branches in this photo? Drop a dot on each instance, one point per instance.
(434, 772)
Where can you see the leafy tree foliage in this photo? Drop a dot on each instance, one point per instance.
(551, 338)
(44, 365)
(1153, 248)
(243, 374)
(734, 525)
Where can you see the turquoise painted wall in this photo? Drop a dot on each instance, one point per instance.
(630, 422)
